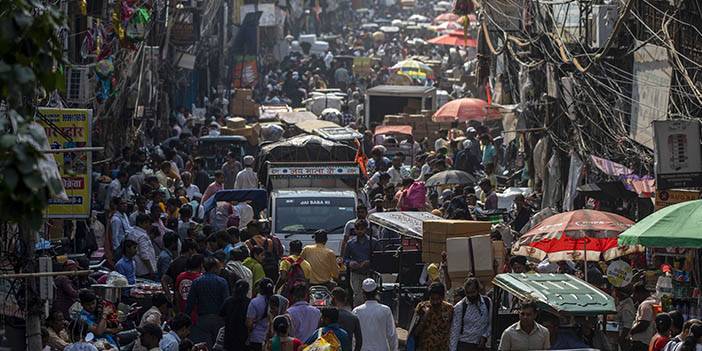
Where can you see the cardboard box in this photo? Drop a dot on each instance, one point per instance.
(235, 122)
(483, 259)
(455, 228)
(470, 254)
(243, 94)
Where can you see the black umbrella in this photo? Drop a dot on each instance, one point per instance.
(451, 177)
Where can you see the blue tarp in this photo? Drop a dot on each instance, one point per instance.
(258, 198)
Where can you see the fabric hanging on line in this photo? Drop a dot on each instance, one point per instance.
(574, 176)
(610, 167)
(553, 184)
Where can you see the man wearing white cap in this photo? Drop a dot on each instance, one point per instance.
(377, 323)
(247, 178)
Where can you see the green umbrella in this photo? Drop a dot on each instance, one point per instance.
(679, 225)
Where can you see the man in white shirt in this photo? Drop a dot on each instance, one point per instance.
(245, 213)
(395, 171)
(247, 178)
(146, 254)
(377, 323)
(441, 141)
(190, 188)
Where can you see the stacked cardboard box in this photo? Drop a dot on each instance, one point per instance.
(242, 104)
(422, 125)
(435, 234)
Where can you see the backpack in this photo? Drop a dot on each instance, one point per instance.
(416, 196)
(295, 276)
(464, 304)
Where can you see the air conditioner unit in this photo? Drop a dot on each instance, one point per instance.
(80, 85)
(602, 20)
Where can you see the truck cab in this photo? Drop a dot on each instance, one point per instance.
(306, 197)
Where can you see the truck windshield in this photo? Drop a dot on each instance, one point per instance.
(306, 215)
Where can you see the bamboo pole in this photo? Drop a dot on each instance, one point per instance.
(42, 274)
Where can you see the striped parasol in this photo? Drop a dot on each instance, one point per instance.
(414, 69)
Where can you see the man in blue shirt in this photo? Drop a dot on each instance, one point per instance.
(330, 322)
(167, 255)
(126, 265)
(207, 294)
(357, 258)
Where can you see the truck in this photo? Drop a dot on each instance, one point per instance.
(397, 99)
(306, 197)
(313, 184)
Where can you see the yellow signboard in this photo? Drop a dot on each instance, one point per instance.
(671, 197)
(70, 128)
(362, 66)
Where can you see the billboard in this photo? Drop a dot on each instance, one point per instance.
(678, 154)
(70, 128)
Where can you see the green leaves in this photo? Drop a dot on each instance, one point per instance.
(31, 54)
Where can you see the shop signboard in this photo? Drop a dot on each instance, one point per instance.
(70, 128)
(678, 154)
(675, 196)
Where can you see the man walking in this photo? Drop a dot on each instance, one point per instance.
(207, 294)
(435, 315)
(294, 270)
(357, 258)
(377, 323)
(330, 323)
(644, 327)
(472, 322)
(348, 321)
(321, 259)
(526, 334)
(305, 318)
(119, 225)
(146, 254)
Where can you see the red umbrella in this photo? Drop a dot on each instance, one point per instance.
(447, 17)
(455, 38)
(464, 110)
(576, 235)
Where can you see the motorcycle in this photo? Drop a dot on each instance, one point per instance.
(320, 296)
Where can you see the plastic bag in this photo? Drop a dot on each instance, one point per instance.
(326, 342)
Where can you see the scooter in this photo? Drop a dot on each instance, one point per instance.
(320, 296)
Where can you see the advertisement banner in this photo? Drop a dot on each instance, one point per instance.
(70, 128)
(678, 154)
(671, 197)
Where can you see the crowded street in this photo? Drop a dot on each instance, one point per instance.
(350, 175)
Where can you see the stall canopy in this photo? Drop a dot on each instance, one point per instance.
(557, 292)
(296, 117)
(678, 225)
(404, 223)
(401, 129)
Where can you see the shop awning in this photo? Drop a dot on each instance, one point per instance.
(557, 292)
(405, 223)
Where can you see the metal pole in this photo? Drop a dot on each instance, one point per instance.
(585, 261)
(34, 314)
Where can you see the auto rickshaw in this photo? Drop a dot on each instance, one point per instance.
(398, 254)
(559, 295)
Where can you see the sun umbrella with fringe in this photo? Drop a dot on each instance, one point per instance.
(465, 109)
(576, 235)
